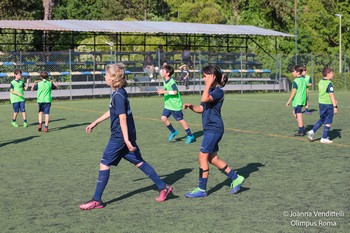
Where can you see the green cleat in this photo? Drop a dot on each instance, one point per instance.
(236, 184)
(14, 124)
(25, 125)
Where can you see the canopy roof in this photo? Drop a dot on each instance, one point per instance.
(149, 27)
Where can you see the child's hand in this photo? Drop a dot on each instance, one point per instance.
(187, 106)
(90, 127)
(209, 80)
(160, 91)
(130, 146)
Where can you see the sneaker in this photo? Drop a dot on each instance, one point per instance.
(326, 140)
(92, 204)
(39, 127)
(299, 134)
(14, 124)
(189, 139)
(172, 135)
(310, 134)
(46, 130)
(164, 193)
(25, 124)
(236, 184)
(195, 193)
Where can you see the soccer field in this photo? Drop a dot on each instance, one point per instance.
(291, 185)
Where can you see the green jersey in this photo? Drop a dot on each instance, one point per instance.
(300, 96)
(172, 102)
(308, 80)
(17, 86)
(325, 87)
(44, 91)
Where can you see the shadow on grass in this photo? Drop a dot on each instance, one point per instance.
(36, 123)
(196, 135)
(68, 126)
(244, 171)
(17, 141)
(168, 179)
(333, 133)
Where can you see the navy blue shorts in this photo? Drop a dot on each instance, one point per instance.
(210, 143)
(326, 113)
(44, 107)
(298, 109)
(178, 115)
(19, 106)
(116, 150)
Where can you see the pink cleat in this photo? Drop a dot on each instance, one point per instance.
(164, 193)
(92, 204)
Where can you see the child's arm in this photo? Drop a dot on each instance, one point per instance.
(27, 84)
(334, 102)
(14, 92)
(291, 96)
(197, 109)
(35, 82)
(104, 117)
(54, 83)
(124, 127)
(206, 97)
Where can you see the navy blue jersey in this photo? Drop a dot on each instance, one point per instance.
(120, 105)
(211, 116)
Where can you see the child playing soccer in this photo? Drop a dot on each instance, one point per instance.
(173, 105)
(308, 80)
(327, 104)
(298, 97)
(17, 98)
(211, 102)
(122, 142)
(44, 98)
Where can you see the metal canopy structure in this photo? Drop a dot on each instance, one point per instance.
(137, 27)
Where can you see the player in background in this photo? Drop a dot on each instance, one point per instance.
(298, 97)
(308, 80)
(173, 105)
(17, 88)
(122, 142)
(44, 98)
(211, 102)
(327, 104)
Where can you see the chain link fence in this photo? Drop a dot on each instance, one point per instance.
(81, 74)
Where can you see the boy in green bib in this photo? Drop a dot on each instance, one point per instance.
(327, 104)
(173, 104)
(298, 97)
(17, 97)
(44, 98)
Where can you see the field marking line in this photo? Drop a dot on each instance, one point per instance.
(200, 125)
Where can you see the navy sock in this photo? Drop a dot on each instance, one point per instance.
(326, 131)
(301, 129)
(101, 184)
(152, 174)
(171, 128)
(13, 120)
(318, 125)
(25, 120)
(202, 183)
(232, 174)
(188, 131)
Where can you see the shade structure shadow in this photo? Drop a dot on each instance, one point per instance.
(168, 179)
(196, 135)
(69, 126)
(243, 171)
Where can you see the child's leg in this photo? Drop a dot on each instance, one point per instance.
(40, 118)
(222, 166)
(47, 119)
(326, 129)
(186, 127)
(203, 170)
(151, 173)
(300, 122)
(102, 180)
(14, 116)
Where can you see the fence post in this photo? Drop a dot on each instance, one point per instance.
(70, 74)
(344, 73)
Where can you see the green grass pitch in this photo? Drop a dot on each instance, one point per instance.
(44, 177)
